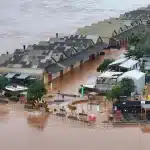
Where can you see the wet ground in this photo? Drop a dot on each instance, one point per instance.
(18, 132)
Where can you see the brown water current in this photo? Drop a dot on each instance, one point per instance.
(18, 132)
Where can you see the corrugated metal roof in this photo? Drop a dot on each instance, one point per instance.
(10, 75)
(23, 76)
(54, 68)
(109, 74)
(119, 61)
(129, 63)
(83, 55)
(133, 74)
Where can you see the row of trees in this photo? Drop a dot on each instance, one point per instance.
(124, 88)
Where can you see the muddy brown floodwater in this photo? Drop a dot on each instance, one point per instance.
(16, 133)
(72, 80)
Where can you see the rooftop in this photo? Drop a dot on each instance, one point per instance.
(110, 74)
(15, 88)
(46, 53)
(75, 58)
(10, 75)
(119, 61)
(54, 68)
(133, 74)
(23, 76)
(129, 63)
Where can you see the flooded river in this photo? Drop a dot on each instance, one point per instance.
(18, 133)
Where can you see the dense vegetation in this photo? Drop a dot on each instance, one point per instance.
(124, 88)
(102, 67)
(36, 91)
(3, 82)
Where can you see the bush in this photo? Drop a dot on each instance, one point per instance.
(14, 98)
(102, 67)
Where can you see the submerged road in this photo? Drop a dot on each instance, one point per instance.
(86, 74)
(19, 134)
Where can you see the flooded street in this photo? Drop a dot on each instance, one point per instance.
(18, 133)
(82, 75)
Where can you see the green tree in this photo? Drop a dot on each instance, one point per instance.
(127, 86)
(104, 65)
(134, 39)
(114, 94)
(124, 88)
(3, 82)
(137, 53)
(36, 91)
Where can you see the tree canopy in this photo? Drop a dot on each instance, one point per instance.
(141, 43)
(124, 88)
(104, 65)
(134, 39)
(36, 91)
(137, 53)
(3, 82)
(127, 86)
(115, 93)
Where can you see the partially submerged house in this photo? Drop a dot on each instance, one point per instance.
(108, 79)
(54, 57)
(119, 69)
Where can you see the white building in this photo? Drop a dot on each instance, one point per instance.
(138, 78)
(108, 79)
(130, 64)
(124, 65)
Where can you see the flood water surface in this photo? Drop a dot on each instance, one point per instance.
(19, 131)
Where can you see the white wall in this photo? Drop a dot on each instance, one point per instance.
(33, 71)
(140, 84)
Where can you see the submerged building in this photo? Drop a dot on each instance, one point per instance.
(119, 69)
(54, 57)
